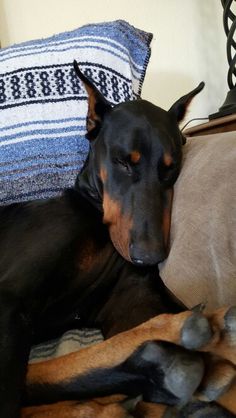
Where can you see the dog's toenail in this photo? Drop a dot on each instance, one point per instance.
(196, 332)
(199, 308)
(130, 403)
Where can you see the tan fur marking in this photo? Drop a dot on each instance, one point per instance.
(119, 225)
(74, 409)
(92, 117)
(168, 160)
(219, 374)
(228, 400)
(135, 157)
(110, 399)
(150, 410)
(109, 353)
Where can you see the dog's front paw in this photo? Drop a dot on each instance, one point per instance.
(168, 374)
(173, 365)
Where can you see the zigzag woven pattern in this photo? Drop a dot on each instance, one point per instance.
(43, 105)
(70, 341)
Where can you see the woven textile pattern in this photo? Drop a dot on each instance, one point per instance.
(70, 341)
(43, 105)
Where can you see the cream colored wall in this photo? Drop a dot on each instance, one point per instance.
(188, 45)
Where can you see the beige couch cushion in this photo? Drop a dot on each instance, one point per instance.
(201, 266)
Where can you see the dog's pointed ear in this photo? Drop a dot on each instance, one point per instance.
(180, 107)
(97, 105)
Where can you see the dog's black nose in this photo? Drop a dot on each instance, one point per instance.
(141, 257)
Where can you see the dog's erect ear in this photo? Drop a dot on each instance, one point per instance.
(180, 107)
(97, 105)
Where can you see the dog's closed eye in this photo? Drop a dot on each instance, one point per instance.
(124, 165)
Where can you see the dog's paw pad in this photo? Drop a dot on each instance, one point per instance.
(196, 332)
(184, 376)
(153, 352)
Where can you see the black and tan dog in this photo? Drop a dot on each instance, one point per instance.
(92, 254)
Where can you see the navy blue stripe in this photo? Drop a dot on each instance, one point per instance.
(104, 67)
(35, 194)
(68, 64)
(25, 134)
(42, 122)
(62, 99)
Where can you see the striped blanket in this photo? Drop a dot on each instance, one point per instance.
(43, 105)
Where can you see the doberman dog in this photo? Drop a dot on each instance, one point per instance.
(92, 254)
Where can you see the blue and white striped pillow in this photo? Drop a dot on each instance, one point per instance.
(43, 104)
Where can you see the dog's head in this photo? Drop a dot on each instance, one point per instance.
(134, 161)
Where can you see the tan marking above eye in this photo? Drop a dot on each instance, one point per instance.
(168, 160)
(135, 156)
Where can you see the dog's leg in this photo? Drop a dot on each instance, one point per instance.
(228, 399)
(127, 362)
(95, 409)
(123, 358)
(14, 350)
(195, 409)
(75, 409)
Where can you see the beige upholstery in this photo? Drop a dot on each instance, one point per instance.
(201, 266)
